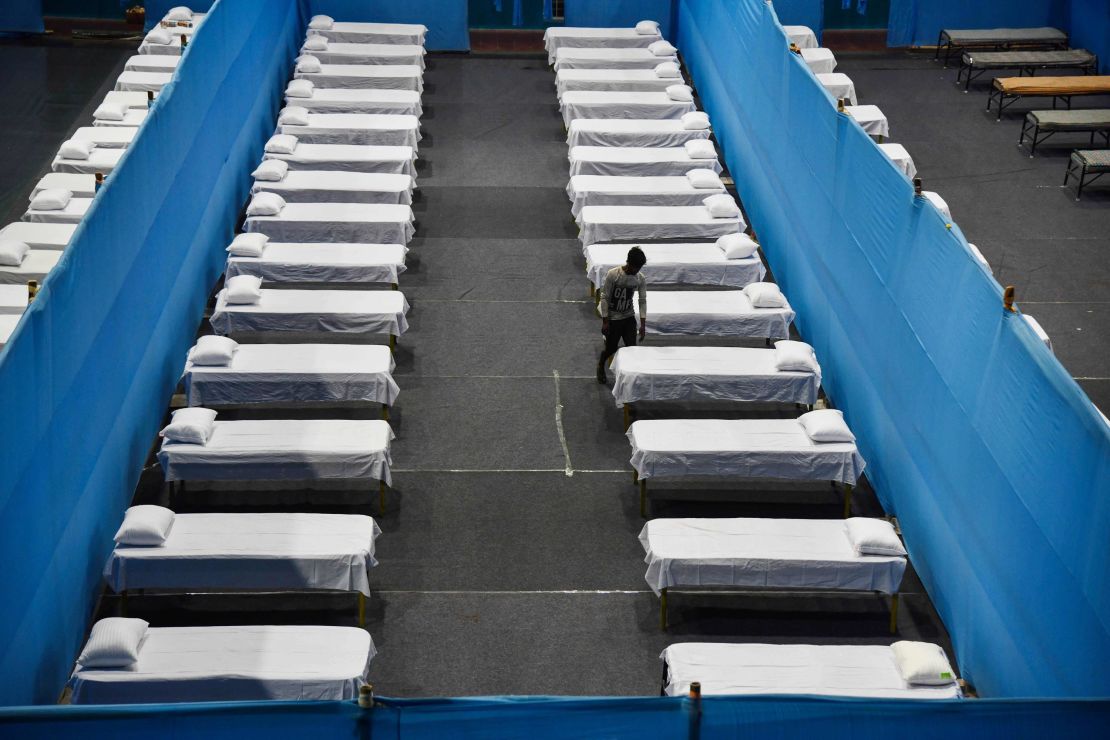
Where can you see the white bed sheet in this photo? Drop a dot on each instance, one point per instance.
(625, 80)
(343, 53)
(635, 161)
(569, 57)
(36, 266)
(357, 128)
(721, 313)
(143, 81)
(822, 670)
(745, 374)
(335, 186)
(133, 100)
(100, 160)
(558, 37)
(374, 33)
(938, 202)
(323, 262)
(54, 237)
(284, 373)
(171, 49)
(763, 553)
(181, 664)
(284, 449)
(71, 214)
(133, 118)
(152, 63)
(646, 223)
(252, 552)
(801, 36)
(606, 104)
(396, 160)
(689, 263)
(367, 76)
(347, 311)
(839, 86)
(7, 327)
(628, 190)
(820, 59)
(373, 223)
(345, 100)
(901, 158)
(870, 118)
(749, 448)
(107, 137)
(667, 132)
(13, 299)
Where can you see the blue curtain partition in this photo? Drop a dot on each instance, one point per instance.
(21, 16)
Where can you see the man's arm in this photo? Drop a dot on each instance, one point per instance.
(603, 301)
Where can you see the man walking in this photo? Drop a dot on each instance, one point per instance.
(618, 317)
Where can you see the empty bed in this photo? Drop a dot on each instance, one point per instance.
(8, 322)
(397, 160)
(801, 36)
(367, 76)
(819, 60)
(974, 64)
(625, 80)
(377, 129)
(143, 81)
(325, 311)
(605, 104)
(82, 186)
(374, 223)
(1041, 124)
(616, 161)
(308, 186)
(570, 57)
(242, 663)
(337, 52)
(839, 85)
(294, 373)
(323, 262)
(901, 158)
(692, 263)
(73, 212)
(369, 33)
(1044, 37)
(870, 118)
(1006, 91)
(558, 37)
(599, 190)
(101, 159)
(13, 300)
(646, 223)
(668, 132)
(35, 266)
(108, 137)
(719, 313)
(152, 63)
(344, 100)
(40, 236)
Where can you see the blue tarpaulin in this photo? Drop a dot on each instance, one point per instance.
(22, 16)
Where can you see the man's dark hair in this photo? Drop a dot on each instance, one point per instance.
(636, 258)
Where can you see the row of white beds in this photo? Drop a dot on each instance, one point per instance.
(328, 221)
(641, 168)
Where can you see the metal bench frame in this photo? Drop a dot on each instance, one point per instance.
(1033, 129)
(966, 72)
(945, 43)
(1080, 171)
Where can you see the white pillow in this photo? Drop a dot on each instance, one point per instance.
(321, 22)
(299, 89)
(922, 663)
(667, 69)
(113, 643)
(704, 179)
(271, 170)
(180, 13)
(826, 425)
(108, 111)
(213, 350)
(248, 245)
(51, 199)
(281, 144)
(736, 246)
(721, 205)
(12, 252)
(647, 28)
(243, 289)
(662, 48)
(695, 120)
(700, 149)
(265, 204)
(308, 63)
(293, 115)
(680, 93)
(796, 357)
(145, 525)
(765, 295)
(75, 149)
(874, 537)
(315, 43)
(190, 426)
(159, 36)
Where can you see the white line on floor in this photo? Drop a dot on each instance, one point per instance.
(559, 426)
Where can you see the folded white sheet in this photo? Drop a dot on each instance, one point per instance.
(607, 104)
(323, 262)
(558, 37)
(668, 132)
(371, 223)
(570, 57)
(357, 128)
(344, 100)
(395, 160)
(627, 80)
(645, 223)
(350, 311)
(634, 161)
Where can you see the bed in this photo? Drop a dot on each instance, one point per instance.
(974, 64)
(340, 53)
(72, 214)
(646, 223)
(606, 104)
(1005, 91)
(107, 137)
(323, 262)
(143, 81)
(323, 311)
(35, 266)
(801, 36)
(367, 76)
(839, 85)
(152, 63)
(150, 48)
(376, 129)
(635, 161)
(871, 119)
(13, 299)
(820, 60)
(693, 263)
(332, 186)
(668, 132)
(901, 158)
(1086, 166)
(241, 663)
(54, 237)
(373, 223)
(952, 39)
(570, 57)
(1041, 124)
(396, 160)
(102, 160)
(866, 671)
(938, 202)
(134, 118)
(599, 190)
(560, 37)
(742, 553)
(720, 313)
(136, 100)
(82, 186)
(622, 80)
(295, 373)
(373, 33)
(343, 100)
(8, 322)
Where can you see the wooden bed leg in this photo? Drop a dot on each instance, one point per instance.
(894, 614)
(381, 497)
(635, 477)
(663, 610)
(847, 501)
(385, 412)
(643, 498)
(627, 416)
(392, 342)
(592, 290)
(361, 610)
(393, 286)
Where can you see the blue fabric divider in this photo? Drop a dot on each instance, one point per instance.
(620, 13)
(156, 9)
(87, 375)
(992, 457)
(21, 16)
(446, 19)
(802, 13)
(1089, 28)
(917, 22)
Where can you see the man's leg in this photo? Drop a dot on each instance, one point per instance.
(612, 341)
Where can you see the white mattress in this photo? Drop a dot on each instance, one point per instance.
(13, 300)
(284, 449)
(839, 86)
(748, 448)
(7, 327)
(763, 553)
(40, 236)
(152, 62)
(557, 37)
(645, 223)
(252, 552)
(627, 190)
(36, 266)
(373, 223)
(357, 128)
(395, 160)
(570, 57)
(107, 137)
(708, 374)
(281, 373)
(938, 202)
(604, 104)
(100, 160)
(801, 36)
(815, 670)
(134, 118)
(901, 158)
(344, 100)
(171, 49)
(690, 263)
(341, 53)
(819, 59)
(133, 100)
(627, 80)
(367, 76)
(191, 664)
(667, 132)
(323, 262)
(335, 186)
(635, 161)
(374, 33)
(143, 81)
(870, 118)
(722, 313)
(71, 214)
(348, 311)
